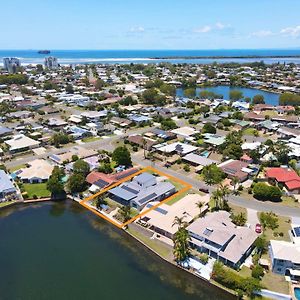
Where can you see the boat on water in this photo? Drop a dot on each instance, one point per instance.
(44, 51)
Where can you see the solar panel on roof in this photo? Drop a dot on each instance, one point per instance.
(128, 189)
(147, 198)
(297, 231)
(125, 174)
(101, 183)
(158, 209)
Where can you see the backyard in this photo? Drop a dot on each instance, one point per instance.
(37, 189)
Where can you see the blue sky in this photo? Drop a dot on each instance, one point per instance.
(145, 24)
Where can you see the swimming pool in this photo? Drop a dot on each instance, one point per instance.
(297, 293)
(205, 153)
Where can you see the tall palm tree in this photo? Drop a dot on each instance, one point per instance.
(234, 182)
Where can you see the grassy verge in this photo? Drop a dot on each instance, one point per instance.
(90, 139)
(38, 189)
(13, 169)
(157, 246)
(275, 282)
(284, 227)
(3, 204)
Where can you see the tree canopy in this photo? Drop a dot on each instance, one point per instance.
(121, 156)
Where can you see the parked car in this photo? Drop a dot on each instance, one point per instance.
(204, 190)
(258, 228)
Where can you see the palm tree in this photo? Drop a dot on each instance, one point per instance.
(125, 212)
(179, 222)
(181, 244)
(234, 182)
(216, 197)
(200, 204)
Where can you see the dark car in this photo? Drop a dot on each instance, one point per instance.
(204, 190)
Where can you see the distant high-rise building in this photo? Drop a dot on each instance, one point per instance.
(51, 62)
(11, 64)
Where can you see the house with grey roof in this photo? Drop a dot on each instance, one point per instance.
(141, 190)
(6, 186)
(216, 235)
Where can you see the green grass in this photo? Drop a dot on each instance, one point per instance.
(16, 168)
(284, 227)
(157, 246)
(275, 282)
(90, 139)
(3, 204)
(38, 189)
(177, 198)
(289, 201)
(250, 131)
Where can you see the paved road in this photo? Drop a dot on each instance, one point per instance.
(236, 200)
(107, 144)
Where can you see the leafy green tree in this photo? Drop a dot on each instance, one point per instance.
(168, 124)
(69, 89)
(264, 192)
(233, 151)
(257, 272)
(239, 219)
(261, 244)
(77, 183)
(258, 99)
(269, 220)
(190, 92)
(289, 99)
(124, 212)
(235, 95)
(55, 185)
(209, 128)
(121, 156)
(81, 167)
(105, 167)
(212, 174)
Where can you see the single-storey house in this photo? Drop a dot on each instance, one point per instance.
(161, 219)
(21, 143)
(39, 170)
(286, 176)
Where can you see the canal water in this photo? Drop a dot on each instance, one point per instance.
(62, 251)
(270, 98)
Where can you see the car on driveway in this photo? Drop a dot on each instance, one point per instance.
(258, 228)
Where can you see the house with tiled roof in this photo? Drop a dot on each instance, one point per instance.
(286, 176)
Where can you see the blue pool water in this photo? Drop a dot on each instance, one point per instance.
(205, 153)
(297, 293)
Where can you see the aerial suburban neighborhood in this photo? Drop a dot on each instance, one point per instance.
(199, 162)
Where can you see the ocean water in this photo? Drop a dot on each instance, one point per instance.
(151, 56)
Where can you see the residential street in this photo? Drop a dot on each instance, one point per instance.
(236, 200)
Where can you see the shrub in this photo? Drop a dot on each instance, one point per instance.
(204, 258)
(257, 272)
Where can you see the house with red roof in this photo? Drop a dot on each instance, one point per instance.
(286, 176)
(99, 180)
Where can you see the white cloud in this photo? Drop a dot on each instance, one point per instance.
(221, 26)
(137, 29)
(291, 31)
(262, 33)
(203, 29)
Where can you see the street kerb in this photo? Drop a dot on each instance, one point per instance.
(147, 169)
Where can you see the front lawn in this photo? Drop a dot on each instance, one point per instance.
(282, 232)
(90, 139)
(37, 189)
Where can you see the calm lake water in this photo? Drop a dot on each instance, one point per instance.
(270, 98)
(61, 251)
